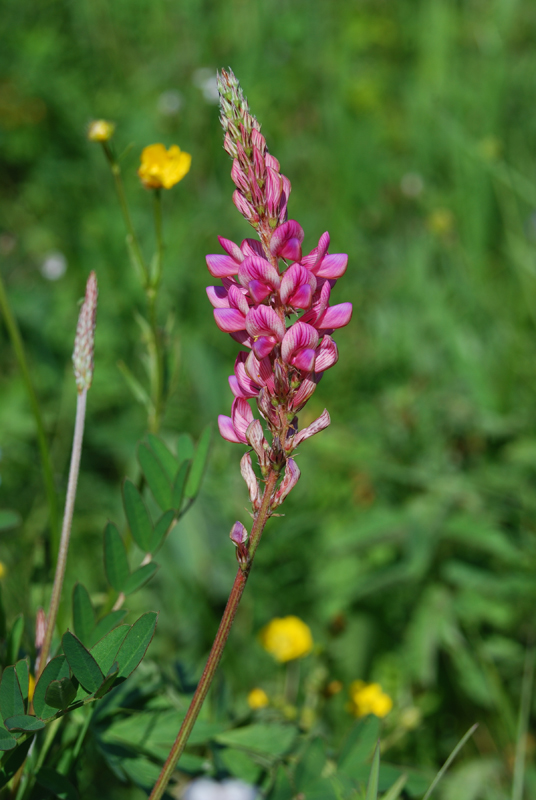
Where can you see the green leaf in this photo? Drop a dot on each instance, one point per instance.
(238, 763)
(185, 447)
(56, 783)
(180, 484)
(105, 625)
(7, 742)
(270, 740)
(155, 475)
(15, 760)
(137, 515)
(372, 787)
(24, 722)
(140, 577)
(136, 643)
(115, 558)
(105, 651)
(14, 639)
(199, 463)
(23, 674)
(60, 694)
(310, 766)
(134, 385)
(161, 528)
(108, 682)
(11, 701)
(55, 670)
(9, 520)
(164, 455)
(84, 667)
(359, 745)
(83, 613)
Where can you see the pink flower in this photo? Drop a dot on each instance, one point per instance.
(234, 428)
(299, 346)
(265, 328)
(297, 287)
(286, 240)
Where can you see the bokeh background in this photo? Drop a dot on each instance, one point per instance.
(407, 129)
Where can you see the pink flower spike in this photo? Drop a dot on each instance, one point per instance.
(231, 249)
(305, 359)
(241, 416)
(315, 427)
(284, 199)
(320, 303)
(316, 255)
(299, 336)
(333, 266)
(326, 354)
(335, 317)
(290, 479)
(221, 266)
(239, 534)
(286, 240)
(218, 296)
(264, 321)
(258, 164)
(246, 469)
(229, 320)
(258, 141)
(246, 386)
(227, 431)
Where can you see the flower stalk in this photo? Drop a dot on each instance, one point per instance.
(83, 363)
(285, 362)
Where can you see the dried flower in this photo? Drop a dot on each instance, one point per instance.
(161, 168)
(258, 698)
(368, 698)
(85, 336)
(100, 130)
(287, 638)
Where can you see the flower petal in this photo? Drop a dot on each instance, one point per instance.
(290, 479)
(304, 359)
(218, 296)
(332, 266)
(229, 319)
(335, 317)
(315, 427)
(290, 230)
(231, 249)
(326, 354)
(238, 534)
(264, 321)
(242, 416)
(221, 266)
(227, 431)
(298, 337)
(246, 470)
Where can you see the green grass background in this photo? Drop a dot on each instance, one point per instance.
(409, 545)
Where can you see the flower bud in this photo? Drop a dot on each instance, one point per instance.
(250, 478)
(100, 130)
(239, 534)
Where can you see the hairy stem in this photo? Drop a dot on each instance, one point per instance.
(46, 462)
(219, 643)
(66, 529)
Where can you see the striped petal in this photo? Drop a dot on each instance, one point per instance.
(229, 319)
(326, 354)
(227, 431)
(221, 266)
(335, 317)
(299, 336)
(331, 266)
(218, 296)
(264, 321)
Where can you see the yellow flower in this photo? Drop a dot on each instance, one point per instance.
(287, 638)
(161, 168)
(258, 698)
(100, 130)
(368, 698)
(3, 570)
(31, 687)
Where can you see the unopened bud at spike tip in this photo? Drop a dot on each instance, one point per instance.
(85, 337)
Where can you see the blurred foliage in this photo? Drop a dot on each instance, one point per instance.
(409, 545)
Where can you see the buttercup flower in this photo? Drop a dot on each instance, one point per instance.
(287, 638)
(161, 168)
(368, 698)
(258, 698)
(100, 130)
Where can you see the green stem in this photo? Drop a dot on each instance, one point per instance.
(132, 239)
(219, 643)
(66, 529)
(46, 462)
